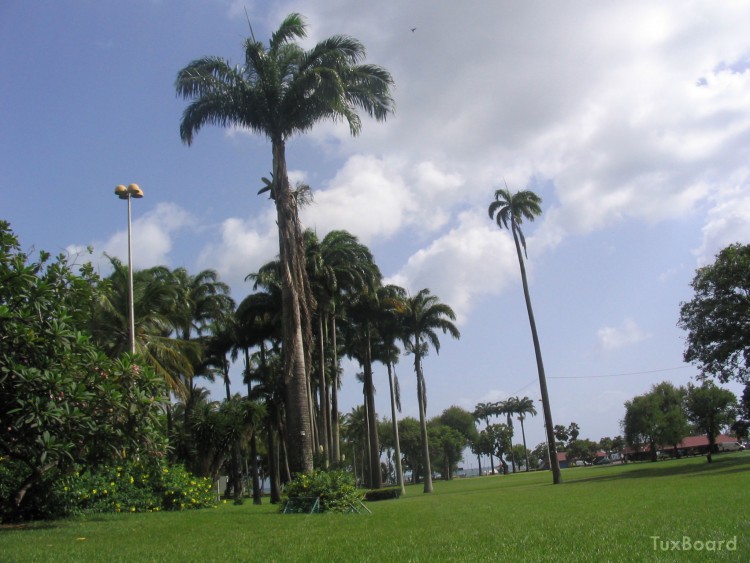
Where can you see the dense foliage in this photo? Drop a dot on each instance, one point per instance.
(62, 401)
(656, 418)
(148, 485)
(334, 489)
(710, 408)
(717, 317)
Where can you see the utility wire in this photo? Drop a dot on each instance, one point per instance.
(617, 374)
(533, 381)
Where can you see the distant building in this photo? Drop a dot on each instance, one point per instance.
(692, 445)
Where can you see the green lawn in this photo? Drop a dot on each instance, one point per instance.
(606, 513)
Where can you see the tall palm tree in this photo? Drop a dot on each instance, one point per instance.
(359, 343)
(509, 211)
(357, 435)
(390, 299)
(422, 316)
(357, 273)
(338, 265)
(524, 407)
(280, 91)
(508, 408)
(483, 412)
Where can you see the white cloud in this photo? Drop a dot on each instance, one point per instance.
(633, 110)
(152, 236)
(243, 248)
(728, 221)
(472, 259)
(375, 198)
(611, 338)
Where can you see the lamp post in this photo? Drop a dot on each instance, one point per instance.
(132, 191)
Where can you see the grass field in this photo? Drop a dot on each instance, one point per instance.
(609, 513)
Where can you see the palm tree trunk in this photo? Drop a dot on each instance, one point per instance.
(335, 432)
(525, 451)
(510, 426)
(423, 422)
(273, 465)
(555, 465)
(254, 440)
(366, 458)
(323, 395)
(299, 423)
(257, 493)
(399, 471)
(376, 479)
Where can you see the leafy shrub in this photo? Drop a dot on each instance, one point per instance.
(335, 489)
(42, 499)
(383, 494)
(137, 487)
(63, 402)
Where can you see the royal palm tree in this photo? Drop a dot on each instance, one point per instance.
(483, 412)
(338, 265)
(282, 90)
(357, 273)
(359, 343)
(508, 408)
(391, 303)
(509, 211)
(422, 316)
(357, 437)
(525, 406)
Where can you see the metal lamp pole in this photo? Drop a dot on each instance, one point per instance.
(132, 191)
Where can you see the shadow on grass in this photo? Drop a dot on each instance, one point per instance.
(36, 525)
(27, 526)
(672, 468)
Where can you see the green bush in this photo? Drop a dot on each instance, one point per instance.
(137, 487)
(335, 489)
(383, 494)
(42, 500)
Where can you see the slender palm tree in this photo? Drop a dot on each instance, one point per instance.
(338, 265)
(356, 273)
(509, 211)
(508, 408)
(282, 90)
(357, 436)
(483, 412)
(390, 299)
(422, 316)
(359, 342)
(525, 406)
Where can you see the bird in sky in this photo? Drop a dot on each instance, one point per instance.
(413, 29)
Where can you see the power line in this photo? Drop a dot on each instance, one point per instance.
(617, 374)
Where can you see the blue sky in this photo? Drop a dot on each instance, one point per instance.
(630, 119)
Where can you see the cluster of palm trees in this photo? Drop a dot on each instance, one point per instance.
(188, 327)
(508, 408)
(356, 316)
